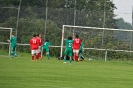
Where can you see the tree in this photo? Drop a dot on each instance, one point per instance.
(121, 24)
(91, 13)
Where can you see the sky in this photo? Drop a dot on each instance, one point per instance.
(124, 9)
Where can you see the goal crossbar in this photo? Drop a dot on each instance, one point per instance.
(95, 28)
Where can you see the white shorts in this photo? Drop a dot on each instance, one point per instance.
(39, 49)
(75, 51)
(33, 52)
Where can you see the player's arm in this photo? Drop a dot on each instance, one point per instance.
(63, 36)
(49, 45)
(83, 46)
(42, 42)
(73, 35)
(80, 43)
(38, 42)
(8, 40)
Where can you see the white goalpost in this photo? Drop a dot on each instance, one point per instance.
(102, 39)
(10, 33)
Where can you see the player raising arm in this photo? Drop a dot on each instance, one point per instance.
(68, 50)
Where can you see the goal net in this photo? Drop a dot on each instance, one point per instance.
(5, 34)
(99, 42)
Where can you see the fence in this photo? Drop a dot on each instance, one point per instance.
(33, 20)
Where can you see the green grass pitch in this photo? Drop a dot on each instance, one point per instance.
(21, 72)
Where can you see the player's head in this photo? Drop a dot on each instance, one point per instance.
(37, 35)
(77, 36)
(70, 38)
(12, 34)
(47, 40)
(34, 35)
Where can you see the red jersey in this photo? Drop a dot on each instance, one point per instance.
(33, 43)
(76, 43)
(39, 41)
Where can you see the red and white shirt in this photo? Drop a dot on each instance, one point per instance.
(76, 43)
(39, 41)
(33, 43)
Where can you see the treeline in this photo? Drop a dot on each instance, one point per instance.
(32, 19)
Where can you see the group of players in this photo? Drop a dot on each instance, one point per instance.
(37, 46)
(74, 48)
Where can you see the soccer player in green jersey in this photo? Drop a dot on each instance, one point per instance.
(13, 43)
(68, 50)
(45, 48)
(81, 49)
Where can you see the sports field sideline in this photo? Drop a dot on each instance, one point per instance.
(21, 72)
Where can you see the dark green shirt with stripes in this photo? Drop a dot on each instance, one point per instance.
(13, 41)
(46, 46)
(81, 46)
(68, 50)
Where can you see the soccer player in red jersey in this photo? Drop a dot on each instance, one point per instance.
(40, 43)
(34, 47)
(76, 46)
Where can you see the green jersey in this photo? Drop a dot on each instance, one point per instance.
(46, 45)
(80, 49)
(68, 50)
(69, 43)
(13, 41)
(82, 45)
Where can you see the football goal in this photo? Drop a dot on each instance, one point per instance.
(100, 39)
(5, 33)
